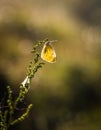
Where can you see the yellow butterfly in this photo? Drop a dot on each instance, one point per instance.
(48, 53)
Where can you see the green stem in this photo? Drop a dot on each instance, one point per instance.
(3, 126)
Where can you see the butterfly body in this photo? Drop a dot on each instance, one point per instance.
(48, 53)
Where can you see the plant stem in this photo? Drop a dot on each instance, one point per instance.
(3, 127)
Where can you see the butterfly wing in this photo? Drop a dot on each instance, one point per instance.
(48, 53)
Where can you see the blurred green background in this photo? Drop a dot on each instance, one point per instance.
(65, 95)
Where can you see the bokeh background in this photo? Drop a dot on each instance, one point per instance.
(65, 95)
